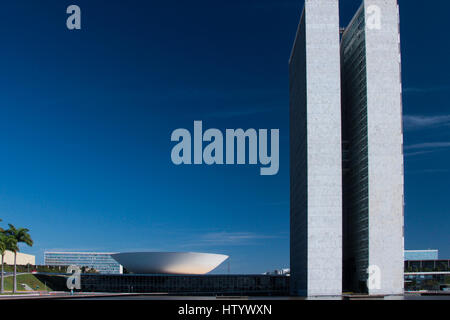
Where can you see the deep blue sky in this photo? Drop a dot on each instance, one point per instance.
(86, 118)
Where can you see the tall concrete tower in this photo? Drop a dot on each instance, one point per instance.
(316, 162)
(373, 150)
(347, 188)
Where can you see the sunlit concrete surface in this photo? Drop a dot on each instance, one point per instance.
(169, 262)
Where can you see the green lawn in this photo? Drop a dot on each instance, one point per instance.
(28, 279)
(10, 268)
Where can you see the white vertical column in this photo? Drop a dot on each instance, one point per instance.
(324, 152)
(385, 144)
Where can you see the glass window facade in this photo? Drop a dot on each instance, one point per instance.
(262, 285)
(102, 262)
(355, 154)
(431, 275)
(299, 169)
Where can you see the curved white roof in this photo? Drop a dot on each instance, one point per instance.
(169, 262)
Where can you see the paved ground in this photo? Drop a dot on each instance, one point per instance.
(247, 298)
(106, 296)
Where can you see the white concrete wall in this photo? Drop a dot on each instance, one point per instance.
(324, 155)
(385, 140)
(22, 259)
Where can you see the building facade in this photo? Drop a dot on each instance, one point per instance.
(207, 285)
(346, 151)
(373, 149)
(102, 262)
(421, 255)
(423, 271)
(316, 172)
(22, 259)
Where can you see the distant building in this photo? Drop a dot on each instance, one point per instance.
(22, 259)
(424, 271)
(279, 272)
(102, 262)
(421, 255)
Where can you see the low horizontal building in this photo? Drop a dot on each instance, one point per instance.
(421, 255)
(425, 271)
(102, 262)
(216, 285)
(22, 259)
(279, 272)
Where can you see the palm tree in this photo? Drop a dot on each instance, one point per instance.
(21, 235)
(6, 243)
(2, 251)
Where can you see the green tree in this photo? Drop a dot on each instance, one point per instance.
(2, 251)
(6, 243)
(21, 235)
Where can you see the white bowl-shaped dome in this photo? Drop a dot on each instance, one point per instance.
(169, 262)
